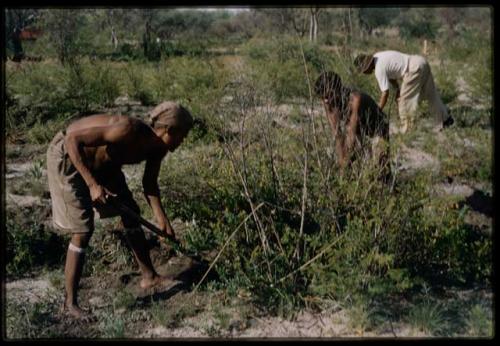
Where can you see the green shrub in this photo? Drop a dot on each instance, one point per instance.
(123, 299)
(37, 94)
(445, 83)
(470, 55)
(417, 23)
(183, 47)
(138, 83)
(471, 162)
(427, 317)
(187, 78)
(479, 322)
(112, 327)
(465, 116)
(42, 133)
(54, 93)
(29, 245)
(359, 316)
(480, 77)
(91, 86)
(358, 236)
(126, 52)
(171, 315)
(278, 66)
(30, 320)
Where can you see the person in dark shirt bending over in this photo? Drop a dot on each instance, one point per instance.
(356, 122)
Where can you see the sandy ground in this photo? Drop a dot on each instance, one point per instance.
(332, 323)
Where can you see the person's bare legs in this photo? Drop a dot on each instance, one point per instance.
(150, 278)
(75, 259)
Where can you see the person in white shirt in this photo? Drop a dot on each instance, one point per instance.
(414, 75)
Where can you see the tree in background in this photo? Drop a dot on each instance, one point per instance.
(65, 28)
(15, 21)
(313, 27)
(137, 32)
(287, 20)
(418, 23)
(151, 51)
(239, 26)
(371, 18)
(110, 16)
(450, 17)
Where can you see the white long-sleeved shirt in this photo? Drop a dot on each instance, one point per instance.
(390, 64)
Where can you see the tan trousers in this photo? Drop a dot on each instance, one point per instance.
(72, 208)
(418, 84)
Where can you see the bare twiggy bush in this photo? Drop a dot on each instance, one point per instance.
(320, 230)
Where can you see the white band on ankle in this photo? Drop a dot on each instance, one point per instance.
(75, 248)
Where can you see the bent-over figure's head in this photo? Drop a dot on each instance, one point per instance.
(328, 86)
(175, 119)
(364, 63)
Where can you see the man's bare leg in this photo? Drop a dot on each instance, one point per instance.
(150, 278)
(75, 259)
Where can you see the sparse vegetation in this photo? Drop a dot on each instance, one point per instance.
(113, 327)
(427, 316)
(479, 322)
(256, 180)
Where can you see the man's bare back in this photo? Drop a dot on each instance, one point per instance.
(138, 144)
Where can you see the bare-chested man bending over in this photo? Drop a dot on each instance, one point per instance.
(84, 167)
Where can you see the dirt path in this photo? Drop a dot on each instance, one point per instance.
(212, 320)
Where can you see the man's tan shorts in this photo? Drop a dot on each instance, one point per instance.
(72, 208)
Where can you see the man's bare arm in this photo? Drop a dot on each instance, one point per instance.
(351, 132)
(333, 116)
(152, 194)
(76, 140)
(383, 99)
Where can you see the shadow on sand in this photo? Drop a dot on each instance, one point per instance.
(187, 271)
(479, 202)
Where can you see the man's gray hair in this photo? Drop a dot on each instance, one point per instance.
(171, 114)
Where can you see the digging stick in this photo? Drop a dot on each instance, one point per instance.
(116, 203)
